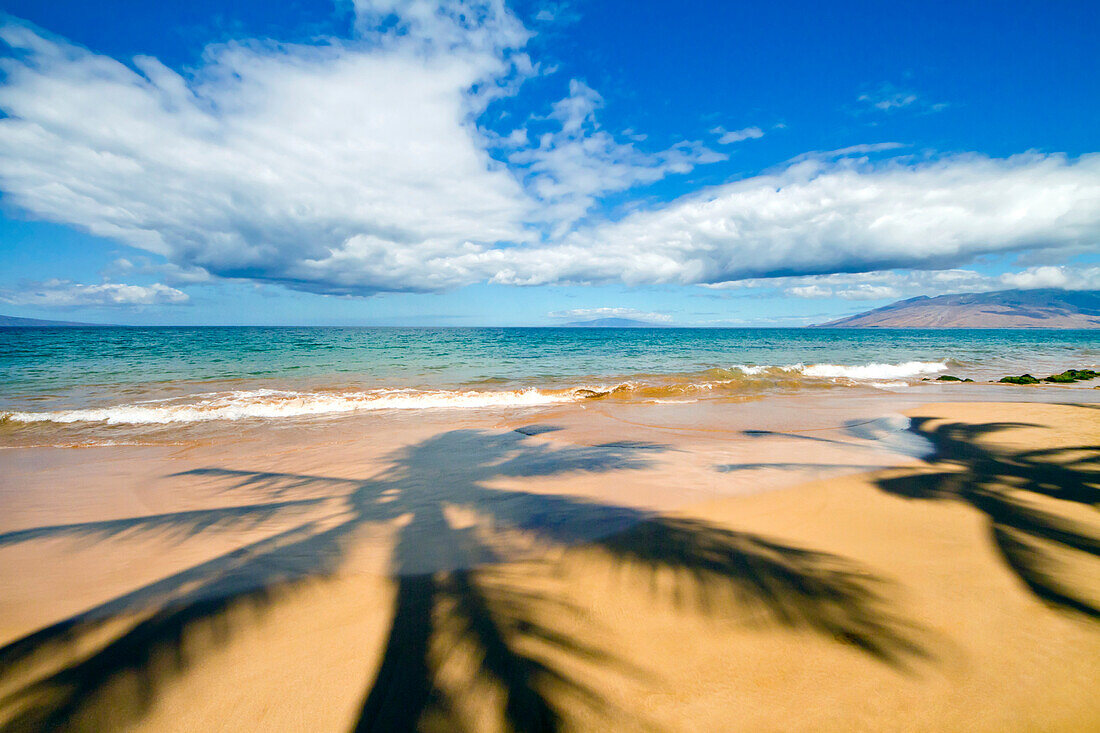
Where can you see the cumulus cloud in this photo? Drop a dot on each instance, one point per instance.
(876, 285)
(894, 284)
(271, 162)
(728, 137)
(889, 98)
(59, 293)
(571, 167)
(170, 272)
(859, 291)
(585, 314)
(556, 12)
(356, 166)
(849, 215)
(1052, 276)
(353, 166)
(478, 25)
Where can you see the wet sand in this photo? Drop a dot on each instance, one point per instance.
(790, 566)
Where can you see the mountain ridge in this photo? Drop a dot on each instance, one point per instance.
(612, 323)
(1041, 308)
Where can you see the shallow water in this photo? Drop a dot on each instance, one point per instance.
(77, 379)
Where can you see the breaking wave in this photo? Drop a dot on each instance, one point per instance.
(859, 372)
(268, 403)
(737, 381)
(875, 371)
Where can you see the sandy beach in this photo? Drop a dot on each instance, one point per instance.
(601, 568)
(484, 366)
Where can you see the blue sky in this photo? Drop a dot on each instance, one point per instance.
(482, 163)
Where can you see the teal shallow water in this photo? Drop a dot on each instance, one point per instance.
(215, 370)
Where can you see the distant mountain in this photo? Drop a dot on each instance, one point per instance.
(13, 322)
(612, 323)
(1004, 309)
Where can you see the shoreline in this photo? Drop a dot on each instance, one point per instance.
(632, 570)
(195, 417)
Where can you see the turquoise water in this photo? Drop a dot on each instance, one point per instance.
(44, 370)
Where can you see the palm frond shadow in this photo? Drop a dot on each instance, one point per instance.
(180, 524)
(442, 583)
(1025, 496)
(775, 583)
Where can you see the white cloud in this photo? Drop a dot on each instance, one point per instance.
(889, 101)
(864, 149)
(1050, 276)
(269, 163)
(483, 26)
(353, 166)
(889, 98)
(357, 166)
(556, 12)
(594, 313)
(860, 291)
(171, 273)
(68, 293)
(850, 215)
(865, 291)
(728, 137)
(810, 291)
(572, 167)
(893, 284)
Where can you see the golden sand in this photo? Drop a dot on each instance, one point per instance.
(614, 573)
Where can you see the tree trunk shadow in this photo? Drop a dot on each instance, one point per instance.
(440, 586)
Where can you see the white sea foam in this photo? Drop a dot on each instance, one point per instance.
(882, 373)
(272, 404)
(267, 403)
(875, 371)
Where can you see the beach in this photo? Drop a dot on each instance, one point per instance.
(869, 561)
(481, 366)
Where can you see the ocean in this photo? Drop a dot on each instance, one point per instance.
(179, 375)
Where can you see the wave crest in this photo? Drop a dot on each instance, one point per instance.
(267, 403)
(859, 372)
(735, 382)
(875, 371)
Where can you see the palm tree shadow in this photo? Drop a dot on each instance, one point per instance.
(441, 584)
(793, 587)
(1025, 496)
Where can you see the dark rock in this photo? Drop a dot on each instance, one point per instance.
(1072, 375)
(1022, 379)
